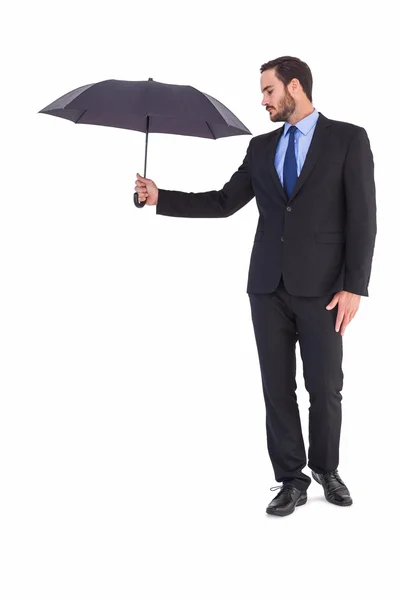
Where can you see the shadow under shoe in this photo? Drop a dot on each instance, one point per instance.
(286, 500)
(335, 489)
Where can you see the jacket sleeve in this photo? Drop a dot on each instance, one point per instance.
(237, 192)
(361, 226)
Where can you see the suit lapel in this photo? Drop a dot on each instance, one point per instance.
(320, 136)
(271, 151)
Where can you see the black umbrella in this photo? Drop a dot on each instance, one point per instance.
(150, 107)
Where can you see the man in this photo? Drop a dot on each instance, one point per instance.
(313, 179)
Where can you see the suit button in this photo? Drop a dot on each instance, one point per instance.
(281, 239)
(289, 208)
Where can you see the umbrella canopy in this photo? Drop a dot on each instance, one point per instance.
(149, 107)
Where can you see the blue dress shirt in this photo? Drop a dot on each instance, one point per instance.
(302, 141)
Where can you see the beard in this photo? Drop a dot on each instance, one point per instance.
(285, 110)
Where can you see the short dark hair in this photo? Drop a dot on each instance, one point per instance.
(288, 67)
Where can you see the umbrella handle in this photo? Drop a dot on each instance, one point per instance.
(136, 195)
(136, 201)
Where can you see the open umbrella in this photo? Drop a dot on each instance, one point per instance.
(149, 107)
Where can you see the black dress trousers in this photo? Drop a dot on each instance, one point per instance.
(279, 321)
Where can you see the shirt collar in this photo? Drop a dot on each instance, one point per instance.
(304, 125)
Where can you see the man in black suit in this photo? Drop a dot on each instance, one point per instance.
(313, 179)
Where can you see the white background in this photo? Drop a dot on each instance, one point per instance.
(133, 458)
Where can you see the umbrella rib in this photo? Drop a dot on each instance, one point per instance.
(211, 130)
(81, 116)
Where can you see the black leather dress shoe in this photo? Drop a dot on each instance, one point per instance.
(334, 488)
(286, 500)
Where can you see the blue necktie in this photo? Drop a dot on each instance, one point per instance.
(290, 165)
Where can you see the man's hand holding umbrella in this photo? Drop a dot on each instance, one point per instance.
(147, 190)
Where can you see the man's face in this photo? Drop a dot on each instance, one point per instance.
(276, 97)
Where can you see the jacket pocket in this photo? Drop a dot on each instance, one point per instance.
(330, 237)
(259, 235)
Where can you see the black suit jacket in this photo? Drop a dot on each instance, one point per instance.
(322, 237)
